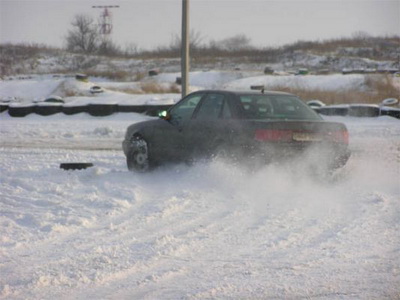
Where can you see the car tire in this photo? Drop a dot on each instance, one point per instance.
(137, 158)
(225, 152)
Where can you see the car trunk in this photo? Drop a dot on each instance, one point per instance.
(299, 132)
(280, 140)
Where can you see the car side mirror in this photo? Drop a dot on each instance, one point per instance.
(164, 115)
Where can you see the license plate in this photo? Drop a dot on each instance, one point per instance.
(306, 137)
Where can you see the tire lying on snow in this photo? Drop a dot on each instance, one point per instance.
(75, 166)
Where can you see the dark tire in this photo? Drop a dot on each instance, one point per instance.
(20, 111)
(101, 110)
(137, 158)
(220, 153)
(224, 151)
(75, 166)
(47, 110)
(3, 107)
(340, 161)
(72, 110)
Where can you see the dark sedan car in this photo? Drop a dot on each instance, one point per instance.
(240, 125)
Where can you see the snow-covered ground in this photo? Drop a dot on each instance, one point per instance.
(39, 87)
(212, 230)
(209, 231)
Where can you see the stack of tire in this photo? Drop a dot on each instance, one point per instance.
(94, 109)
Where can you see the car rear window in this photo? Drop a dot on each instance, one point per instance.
(276, 107)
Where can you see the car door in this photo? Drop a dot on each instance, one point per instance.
(171, 138)
(209, 125)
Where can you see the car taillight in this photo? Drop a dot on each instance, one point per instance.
(273, 135)
(341, 137)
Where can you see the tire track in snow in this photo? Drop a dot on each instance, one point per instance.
(210, 231)
(71, 240)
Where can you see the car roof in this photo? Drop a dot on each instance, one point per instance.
(254, 92)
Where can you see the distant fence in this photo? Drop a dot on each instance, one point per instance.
(98, 110)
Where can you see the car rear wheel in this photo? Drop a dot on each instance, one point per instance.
(138, 156)
(225, 152)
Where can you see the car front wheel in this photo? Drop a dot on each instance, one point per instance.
(138, 156)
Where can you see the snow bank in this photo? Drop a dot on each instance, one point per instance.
(335, 82)
(28, 90)
(203, 80)
(78, 92)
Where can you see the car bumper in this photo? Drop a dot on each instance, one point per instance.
(332, 155)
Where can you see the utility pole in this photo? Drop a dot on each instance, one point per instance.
(105, 21)
(185, 48)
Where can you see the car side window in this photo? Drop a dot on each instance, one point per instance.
(183, 111)
(226, 111)
(287, 106)
(211, 107)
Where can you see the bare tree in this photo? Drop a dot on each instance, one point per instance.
(107, 47)
(131, 49)
(195, 40)
(84, 36)
(361, 35)
(234, 43)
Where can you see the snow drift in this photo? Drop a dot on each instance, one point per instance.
(213, 230)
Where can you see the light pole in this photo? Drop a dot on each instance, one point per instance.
(185, 48)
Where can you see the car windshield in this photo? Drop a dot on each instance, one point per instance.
(276, 107)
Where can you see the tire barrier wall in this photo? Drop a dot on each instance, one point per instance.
(357, 111)
(102, 110)
(20, 111)
(47, 110)
(98, 110)
(3, 107)
(72, 110)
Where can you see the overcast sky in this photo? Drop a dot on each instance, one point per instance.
(152, 23)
